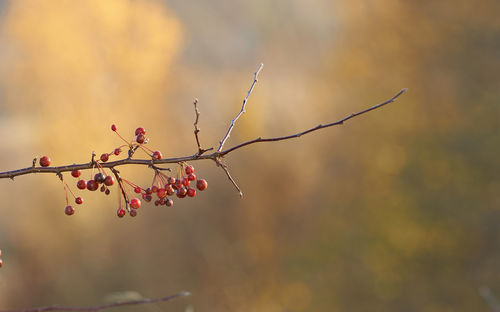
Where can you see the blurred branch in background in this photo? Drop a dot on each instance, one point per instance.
(104, 306)
(489, 298)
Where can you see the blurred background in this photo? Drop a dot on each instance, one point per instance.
(397, 210)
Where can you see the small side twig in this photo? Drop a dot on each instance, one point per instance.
(104, 306)
(120, 184)
(201, 150)
(224, 167)
(245, 100)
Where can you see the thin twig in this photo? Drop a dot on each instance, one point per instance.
(212, 156)
(318, 127)
(197, 130)
(104, 306)
(231, 126)
(224, 167)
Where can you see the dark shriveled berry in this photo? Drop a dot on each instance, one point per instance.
(69, 210)
(107, 192)
(45, 161)
(79, 200)
(133, 212)
(99, 177)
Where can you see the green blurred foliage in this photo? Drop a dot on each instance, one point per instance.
(395, 210)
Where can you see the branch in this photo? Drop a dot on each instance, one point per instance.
(318, 127)
(197, 130)
(212, 156)
(231, 126)
(102, 307)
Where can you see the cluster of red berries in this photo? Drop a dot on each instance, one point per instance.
(162, 187)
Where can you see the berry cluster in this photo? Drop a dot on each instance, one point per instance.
(163, 186)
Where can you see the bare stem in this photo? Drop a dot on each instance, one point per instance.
(245, 100)
(197, 130)
(224, 167)
(102, 307)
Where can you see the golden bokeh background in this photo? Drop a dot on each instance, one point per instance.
(396, 210)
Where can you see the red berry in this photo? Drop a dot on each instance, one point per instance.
(133, 213)
(181, 192)
(201, 184)
(137, 189)
(140, 139)
(45, 161)
(169, 202)
(171, 180)
(76, 173)
(92, 185)
(117, 151)
(169, 189)
(161, 201)
(147, 197)
(191, 192)
(113, 127)
(79, 200)
(154, 189)
(177, 184)
(185, 182)
(81, 184)
(156, 155)
(149, 191)
(162, 193)
(140, 130)
(189, 169)
(104, 157)
(135, 203)
(191, 177)
(107, 192)
(69, 210)
(121, 212)
(1, 263)
(109, 180)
